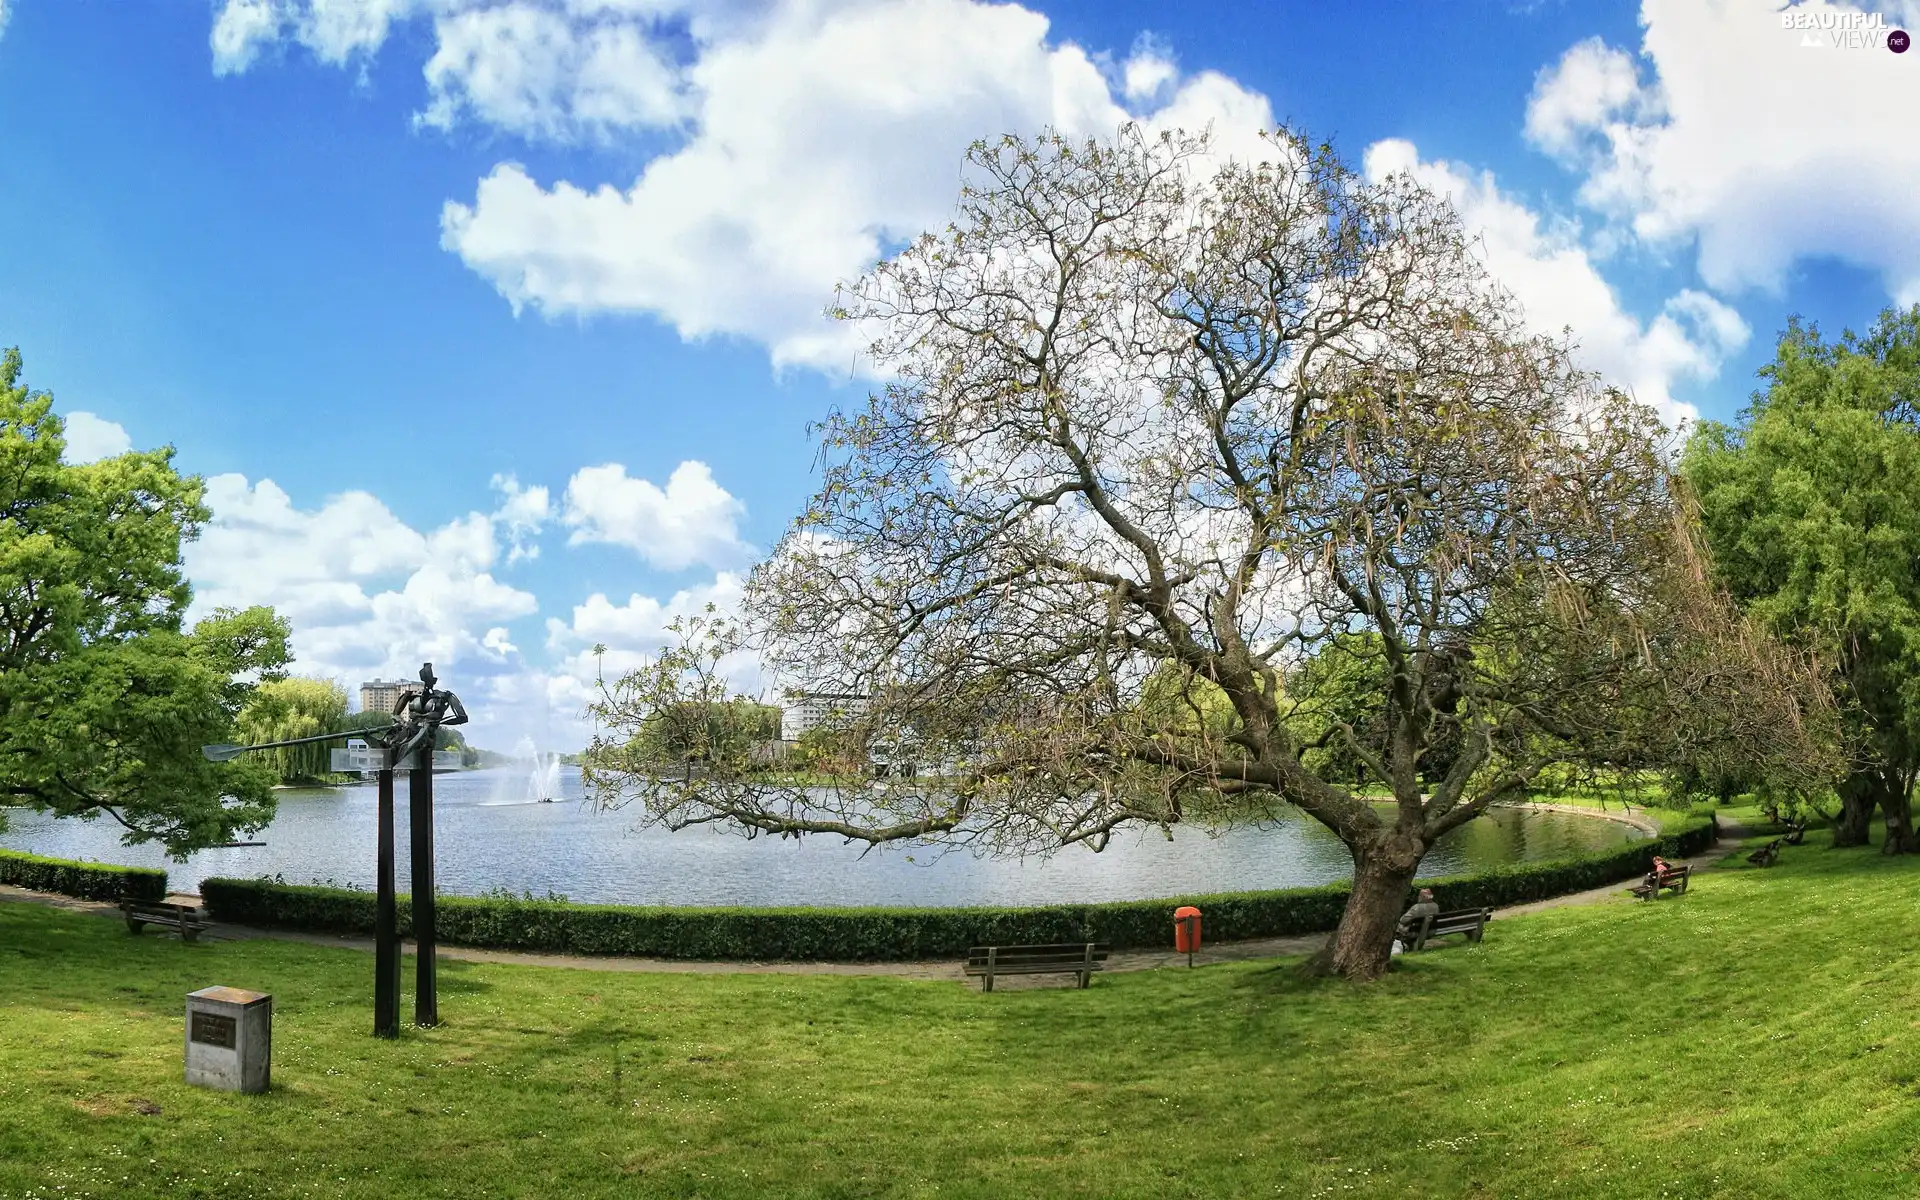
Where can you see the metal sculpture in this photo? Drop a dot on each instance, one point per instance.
(418, 715)
(407, 744)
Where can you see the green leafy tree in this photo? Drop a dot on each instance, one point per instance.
(697, 733)
(105, 699)
(1350, 703)
(1811, 504)
(284, 709)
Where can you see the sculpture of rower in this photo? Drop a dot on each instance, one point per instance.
(418, 714)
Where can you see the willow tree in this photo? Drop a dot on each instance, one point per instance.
(295, 707)
(1157, 429)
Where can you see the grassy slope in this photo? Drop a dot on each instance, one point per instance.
(1752, 1039)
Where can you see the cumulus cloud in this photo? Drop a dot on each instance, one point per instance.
(538, 72)
(693, 520)
(3, 18)
(369, 595)
(1148, 71)
(522, 513)
(1763, 144)
(365, 592)
(334, 30)
(809, 137)
(1552, 275)
(607, 639)
(91, 437)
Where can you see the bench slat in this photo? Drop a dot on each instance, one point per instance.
(1469, 921)
(1004, 957)
(1076, 958)
(181, 918)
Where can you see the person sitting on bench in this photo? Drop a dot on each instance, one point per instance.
(1422, 909)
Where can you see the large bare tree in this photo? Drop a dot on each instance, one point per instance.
(1159, 430)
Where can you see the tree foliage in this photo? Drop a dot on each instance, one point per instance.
(104, 699)
(1160, 429)
(296, 707)
(691, 732)
(1812, 506)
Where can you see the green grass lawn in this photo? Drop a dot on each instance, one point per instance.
(1754, 1038)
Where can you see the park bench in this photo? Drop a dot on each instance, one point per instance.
(184, 919)
(1766, 855)
(1470, 923)
(1069, 958)
(1673, 879)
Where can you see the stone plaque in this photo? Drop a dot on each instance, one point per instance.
(229, 1039)
(213, 1029)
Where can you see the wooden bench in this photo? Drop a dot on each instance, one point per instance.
(183, 919)
(1470, 923)
(1069, 958)
(1673, 879)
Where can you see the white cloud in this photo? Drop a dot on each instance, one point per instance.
(817, 139)
(91, 437)
(3, 18)
(522, 513)
(1591, 82)
(1148, 71)
(632, 633)
(694, 520)
(812, 136)
(334, 30)
(1553, 277)
(241, 29)
(364, 592)
(368, 595)
(535, 72)
(1730, 131)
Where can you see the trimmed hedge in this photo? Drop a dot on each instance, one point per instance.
(875, 934)
(87, 880)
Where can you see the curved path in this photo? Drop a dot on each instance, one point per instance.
(948, 969)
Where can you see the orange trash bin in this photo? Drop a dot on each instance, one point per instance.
(1186, 931)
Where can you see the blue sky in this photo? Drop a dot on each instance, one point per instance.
(352, 259)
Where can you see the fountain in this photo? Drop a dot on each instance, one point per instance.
(543, 772)
(543, 784)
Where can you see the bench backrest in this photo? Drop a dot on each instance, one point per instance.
(1014, 956)
(158, 906)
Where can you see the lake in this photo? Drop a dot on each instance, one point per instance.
(490, 836)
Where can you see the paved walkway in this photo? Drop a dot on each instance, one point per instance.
(1130, 960)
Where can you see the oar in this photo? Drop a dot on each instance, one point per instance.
(226, 752)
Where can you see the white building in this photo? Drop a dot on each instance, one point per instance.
(806, 711)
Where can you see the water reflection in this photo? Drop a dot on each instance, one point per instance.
(489, 837)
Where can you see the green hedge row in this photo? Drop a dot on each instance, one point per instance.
(87, 880)
(870, 934)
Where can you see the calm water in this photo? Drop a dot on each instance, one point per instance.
(490, 836)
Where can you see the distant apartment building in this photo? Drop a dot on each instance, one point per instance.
(380, 695)
(806, 711)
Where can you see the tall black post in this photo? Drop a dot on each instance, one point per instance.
(426, 1001)
(386, 933)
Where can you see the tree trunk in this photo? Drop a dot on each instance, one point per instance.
(1382, 880)
(1860, 794)
(1898, 807)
